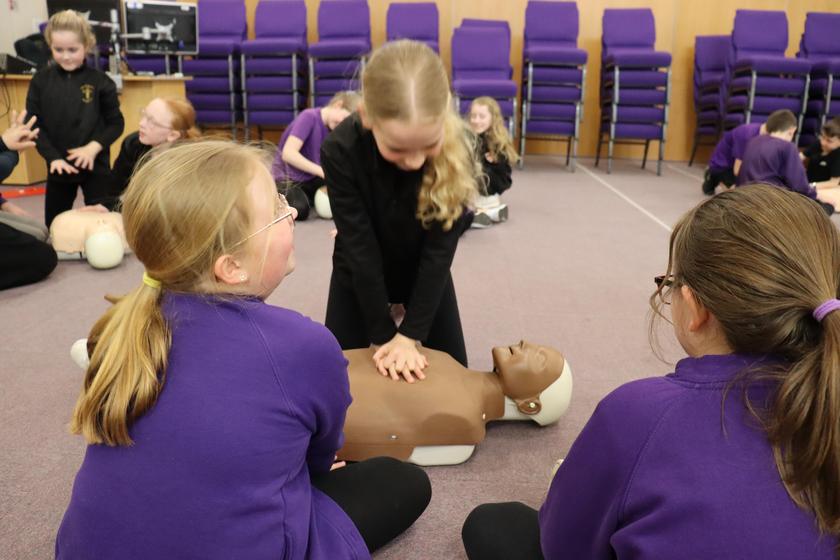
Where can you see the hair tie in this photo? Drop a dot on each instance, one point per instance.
(152, 283)
(825, 308)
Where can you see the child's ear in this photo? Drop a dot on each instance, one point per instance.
(228, 270)
(364, 116)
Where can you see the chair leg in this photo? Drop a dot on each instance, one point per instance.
(568, 150)
(522, 129)
(661, 155)
(574, 154)
(598, 150)
(644, 157)
(610, 154)
(693, 150)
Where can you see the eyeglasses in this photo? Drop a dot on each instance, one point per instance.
(664, 286)
(151, 121)
(283, 211)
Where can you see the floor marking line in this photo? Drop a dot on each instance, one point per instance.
(684, 172)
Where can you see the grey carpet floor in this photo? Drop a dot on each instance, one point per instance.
(572, 268)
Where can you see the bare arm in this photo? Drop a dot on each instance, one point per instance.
(831, 183)
(291, 155)
(736, 168)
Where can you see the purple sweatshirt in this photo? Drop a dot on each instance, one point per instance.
(775, 161)
(732, 146)
(309, 127)
(660, 472)
(254, 400)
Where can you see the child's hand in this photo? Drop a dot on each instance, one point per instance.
(60, 167)
(83, 157)
(400, 356)
(489, 157)
(20, 135)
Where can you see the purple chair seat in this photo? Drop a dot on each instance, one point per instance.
(213, 100)
(554, 75)
(762, 104)
(334, 85)
(273, 66)
(209, 67)
(335, 48)
(710, 115)
(263, 102)
(256, 84)
(707, 130)
(648, 115)
(769, 85)
(552, 111)
(819, 88)
(773, 64)
(204, 83)
(708, 100)
(710, 80)
(822, 67)
(342, 67)
(817, 106)
(274, 45)
(274, 117)
(633, 130)
(737, 119)
(549, 54)
(637, 96)
(810, 124)
(476, 88)
(213, 116)
(554, 128)
(555, 93)
(639, 78)
(219, 46)
(640, 58)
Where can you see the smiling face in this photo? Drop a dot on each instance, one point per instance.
(480, 118)
(408, 144)
(67, 49)
(156, 124)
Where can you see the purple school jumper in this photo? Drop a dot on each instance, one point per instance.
(775, 161)
(309, 127)
(732, 146)
(254, 400)
(659, 472)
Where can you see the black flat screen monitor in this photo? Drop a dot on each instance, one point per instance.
(94, 10)
(168, 27)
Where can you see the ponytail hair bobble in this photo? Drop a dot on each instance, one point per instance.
(825, 308)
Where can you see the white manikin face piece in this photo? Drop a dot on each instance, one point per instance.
(104, 248)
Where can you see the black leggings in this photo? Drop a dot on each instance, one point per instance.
(382, 496)
(62, 193)
(23, 259)
(346, 321)
(506, 531)
(300, 196)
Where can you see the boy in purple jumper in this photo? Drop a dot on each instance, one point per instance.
(728, 155)
(297, 164)
(734, 454)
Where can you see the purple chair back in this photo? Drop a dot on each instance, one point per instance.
(554, 23)
(759, 32)
(342, 19)
(417, 21)
(710, 53)
(819, 41)
(480, 53)
(489, 24)
(222, 18)
(628, 29)
(280, 18)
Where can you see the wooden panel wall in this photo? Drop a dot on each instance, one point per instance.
(677, 24)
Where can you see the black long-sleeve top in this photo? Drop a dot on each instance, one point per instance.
(131, 151)
(498, 173)
(74, 108)
(381, 245)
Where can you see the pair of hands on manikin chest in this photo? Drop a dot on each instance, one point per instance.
(401, 356)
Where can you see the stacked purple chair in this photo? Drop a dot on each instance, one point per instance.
(156, 64)
(343, 43)
(481, 66)
(819, 45)
(759, 78)
(273, 83)
(416, 21)
(553, 74)
(214, 89)
(710, 54)
(635, 84)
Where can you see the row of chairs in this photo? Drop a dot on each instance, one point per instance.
(743, 77)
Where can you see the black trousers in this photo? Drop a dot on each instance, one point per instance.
(506, 531)
(346, 321)
(23, 259)
(714, 177)
(382, 496)
(62, 193)
(300, 196)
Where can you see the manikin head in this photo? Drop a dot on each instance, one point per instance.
(99, 236)
(526, 371)
(165, 120)
(70, 38)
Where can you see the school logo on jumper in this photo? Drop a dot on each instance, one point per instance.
(87, 93)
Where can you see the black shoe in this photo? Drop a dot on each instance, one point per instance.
(708, 187)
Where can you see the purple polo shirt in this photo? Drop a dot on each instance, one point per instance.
(662, 471)
(254, 401)
(309, 127)
(732, 146)
(774, 161)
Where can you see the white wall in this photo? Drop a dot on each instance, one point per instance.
(19, 18)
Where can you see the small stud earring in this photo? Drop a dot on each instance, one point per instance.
(243, 277)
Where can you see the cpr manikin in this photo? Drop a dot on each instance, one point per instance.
(440, 420)
(97, 236)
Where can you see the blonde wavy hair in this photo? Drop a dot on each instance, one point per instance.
(406, 81)
(184, 207)
(71, 20)
(499, 141)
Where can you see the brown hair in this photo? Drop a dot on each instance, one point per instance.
(346, 100)
(183, 208)
(406, 80)
(498, 139)
(780, 121)
(761, 259)
(71, 20)
(832, 128)
(183, 117)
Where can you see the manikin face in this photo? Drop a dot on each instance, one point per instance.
(480, 118)
(829, 143)
(156, 124)
(408, 144)
(270, 253)
(526, 369)
(67, 49)
(333, 115)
